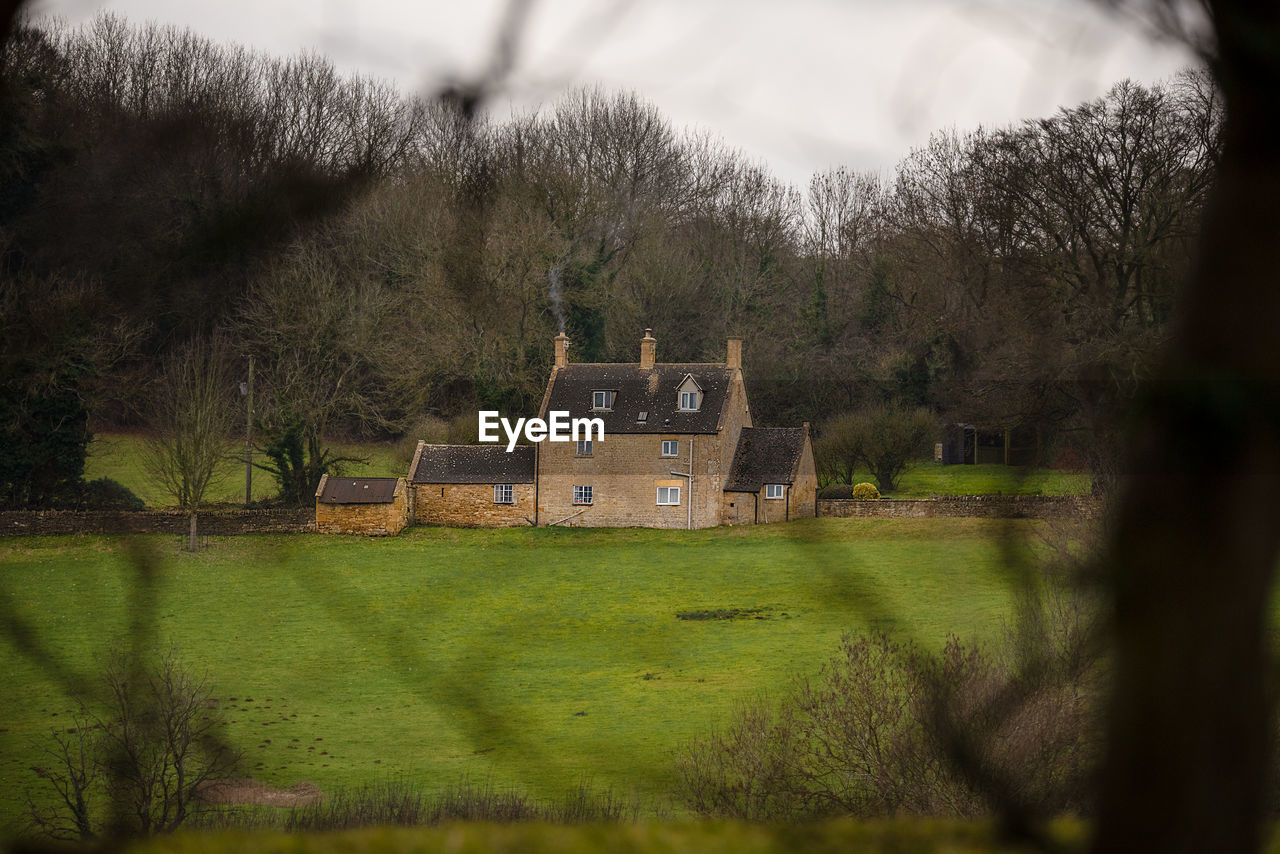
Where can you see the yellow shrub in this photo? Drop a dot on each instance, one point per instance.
(865, 492)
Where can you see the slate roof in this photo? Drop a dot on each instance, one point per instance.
(651, 390)
(765, 455)
(474, 464)
(359, 490)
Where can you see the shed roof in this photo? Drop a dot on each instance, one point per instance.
(358, 490)
(765, 455)
(653, 391)
(474, 464)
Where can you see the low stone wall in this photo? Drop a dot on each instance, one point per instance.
(21, 523)
(965, 506)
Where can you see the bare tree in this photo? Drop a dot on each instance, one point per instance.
(147, 751)
(192, 416)
(883, 439)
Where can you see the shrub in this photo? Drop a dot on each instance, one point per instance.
(836, 490)
(882, 439)
(889, 729)
(865, 492)
(107, 494)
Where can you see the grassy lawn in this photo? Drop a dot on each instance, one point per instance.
(119, 456)
(885, 835)
(930, 478)
(538, 658)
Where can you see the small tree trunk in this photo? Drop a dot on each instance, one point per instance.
(191, 546)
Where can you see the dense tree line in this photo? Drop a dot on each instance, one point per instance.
(387, 259)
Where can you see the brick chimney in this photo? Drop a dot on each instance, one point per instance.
(733, 354)
(562, 350)
(648, 350)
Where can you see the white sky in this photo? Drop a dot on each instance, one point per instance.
(801, 85)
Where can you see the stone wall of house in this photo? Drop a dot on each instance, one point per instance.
(975, 506)
(20, 523)
(376, 520)
(804, 492)
(625, 470)
(470, 505)
(740, 508)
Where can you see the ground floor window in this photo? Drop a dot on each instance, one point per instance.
(775, 490)
(582, 495)
(668, 495)
(502, 494)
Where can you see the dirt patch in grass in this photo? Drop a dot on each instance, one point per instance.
(728, 614)
(250, 791)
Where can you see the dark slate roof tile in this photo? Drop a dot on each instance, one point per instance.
(359, 490)
(474, 464)
(765, 455)
(653, 391)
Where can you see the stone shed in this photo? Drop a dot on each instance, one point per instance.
(474, 486)
(773, 477)
(377, 506)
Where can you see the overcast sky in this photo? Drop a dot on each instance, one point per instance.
(801, 85)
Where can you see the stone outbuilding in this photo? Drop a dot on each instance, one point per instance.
(773, 476)
(474, 486)
(377, 506)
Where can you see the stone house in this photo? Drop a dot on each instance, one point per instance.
(377, 506)
(679, 451)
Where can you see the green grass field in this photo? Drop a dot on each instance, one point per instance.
(929, 478)
(533, 658)
(119, 456)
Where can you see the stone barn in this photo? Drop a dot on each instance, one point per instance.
(377, 506)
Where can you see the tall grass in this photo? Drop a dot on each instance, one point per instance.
(397, 803)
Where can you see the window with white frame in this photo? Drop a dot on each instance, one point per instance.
(502, 494)
(584, 447)
(582, 495)
(668, 495)
(688, 401)
(775, 490)
(602, 400)
(670, 448)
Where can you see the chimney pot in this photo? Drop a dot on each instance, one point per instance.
(733, 354)
(648, 351)
(562, 350)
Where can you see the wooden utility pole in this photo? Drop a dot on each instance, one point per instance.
(248, 441)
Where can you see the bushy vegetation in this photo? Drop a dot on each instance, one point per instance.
(106, 494)
(890, 729)
(882, 439)
(864, 492)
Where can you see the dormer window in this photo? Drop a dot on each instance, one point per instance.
(690, 394)
(601, 400)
